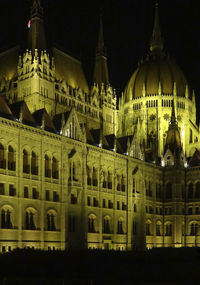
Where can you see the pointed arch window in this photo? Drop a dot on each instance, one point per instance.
(34, 163)
(94, 177)
(55, 172)
(47, 166)
(120, 229)
(29, 221)
(2, 157)
(11, 159)
(109, 180)
(91, 224)
(51, 222)
(6, 222)
(193, 229)
(26, 167)
(106, 225)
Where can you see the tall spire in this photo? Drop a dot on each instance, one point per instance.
(101, 68)
(156, 43)
(100, 50)
(36, 38)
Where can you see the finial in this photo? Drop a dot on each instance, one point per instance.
(36, 9)
(156, 43)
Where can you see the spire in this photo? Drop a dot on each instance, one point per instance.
(100, 67)
(36, 39)
(156, 43)
(101, 50)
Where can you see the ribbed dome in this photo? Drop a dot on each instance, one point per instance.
(157, 68)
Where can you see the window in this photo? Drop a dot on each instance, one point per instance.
(104, 203)
(89, 201)
(109, 180)
(12, 190)
(2, 157)
(135, 208)
(29, 221)
(47, 166)
(73, 199)
(35, 193)
(91, 224)
(72, 223)
(133, 185)
(25, 192)
(148, 231)
(95, 202)
(94, 177)
(168, 230)
(110, 204)
(123, 206)
(158, 229)
(89, 180)
(55, 168)
(123, 187)
(55, 196)
(11, 159)
(106, 225)
(51, 222)
(193, 229)
(120, 227)
(26, 167)
(2, 190)
(47, 194)
(6, 219)
(158, 191)
(104, 180)
(34, 167)
(118, 205)
(189, 211)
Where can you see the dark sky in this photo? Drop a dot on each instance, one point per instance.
(127, 30)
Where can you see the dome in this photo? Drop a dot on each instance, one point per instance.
(156, 69)
(157, 73)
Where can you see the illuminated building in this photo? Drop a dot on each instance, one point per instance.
(78, 172)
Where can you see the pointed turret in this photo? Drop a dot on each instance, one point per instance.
(173, 152)
(156, 43)
(37, 39)
(101, 68)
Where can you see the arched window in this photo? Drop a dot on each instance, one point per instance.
(89, 182)
(34, 166)
(94, 177)
(193, 229)
(133, 185)
(148, 228)
(6, 222)
(106, 225)
(118, 183)
(47, 166)
(91, 224)
(55, 168)
(109, 180)
(2, 157)
(168, 192)
(51, 222)
(197, 190)
(29, 221)
(120, 229)
(104, 180)
(26, 167)
(123, 183)
(11, 159)
(168, 229)
(190, 191)
(158, 229)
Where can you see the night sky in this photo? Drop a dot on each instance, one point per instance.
(127, 30)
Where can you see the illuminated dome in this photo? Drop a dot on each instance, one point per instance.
(157, 69)
(156, 72)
